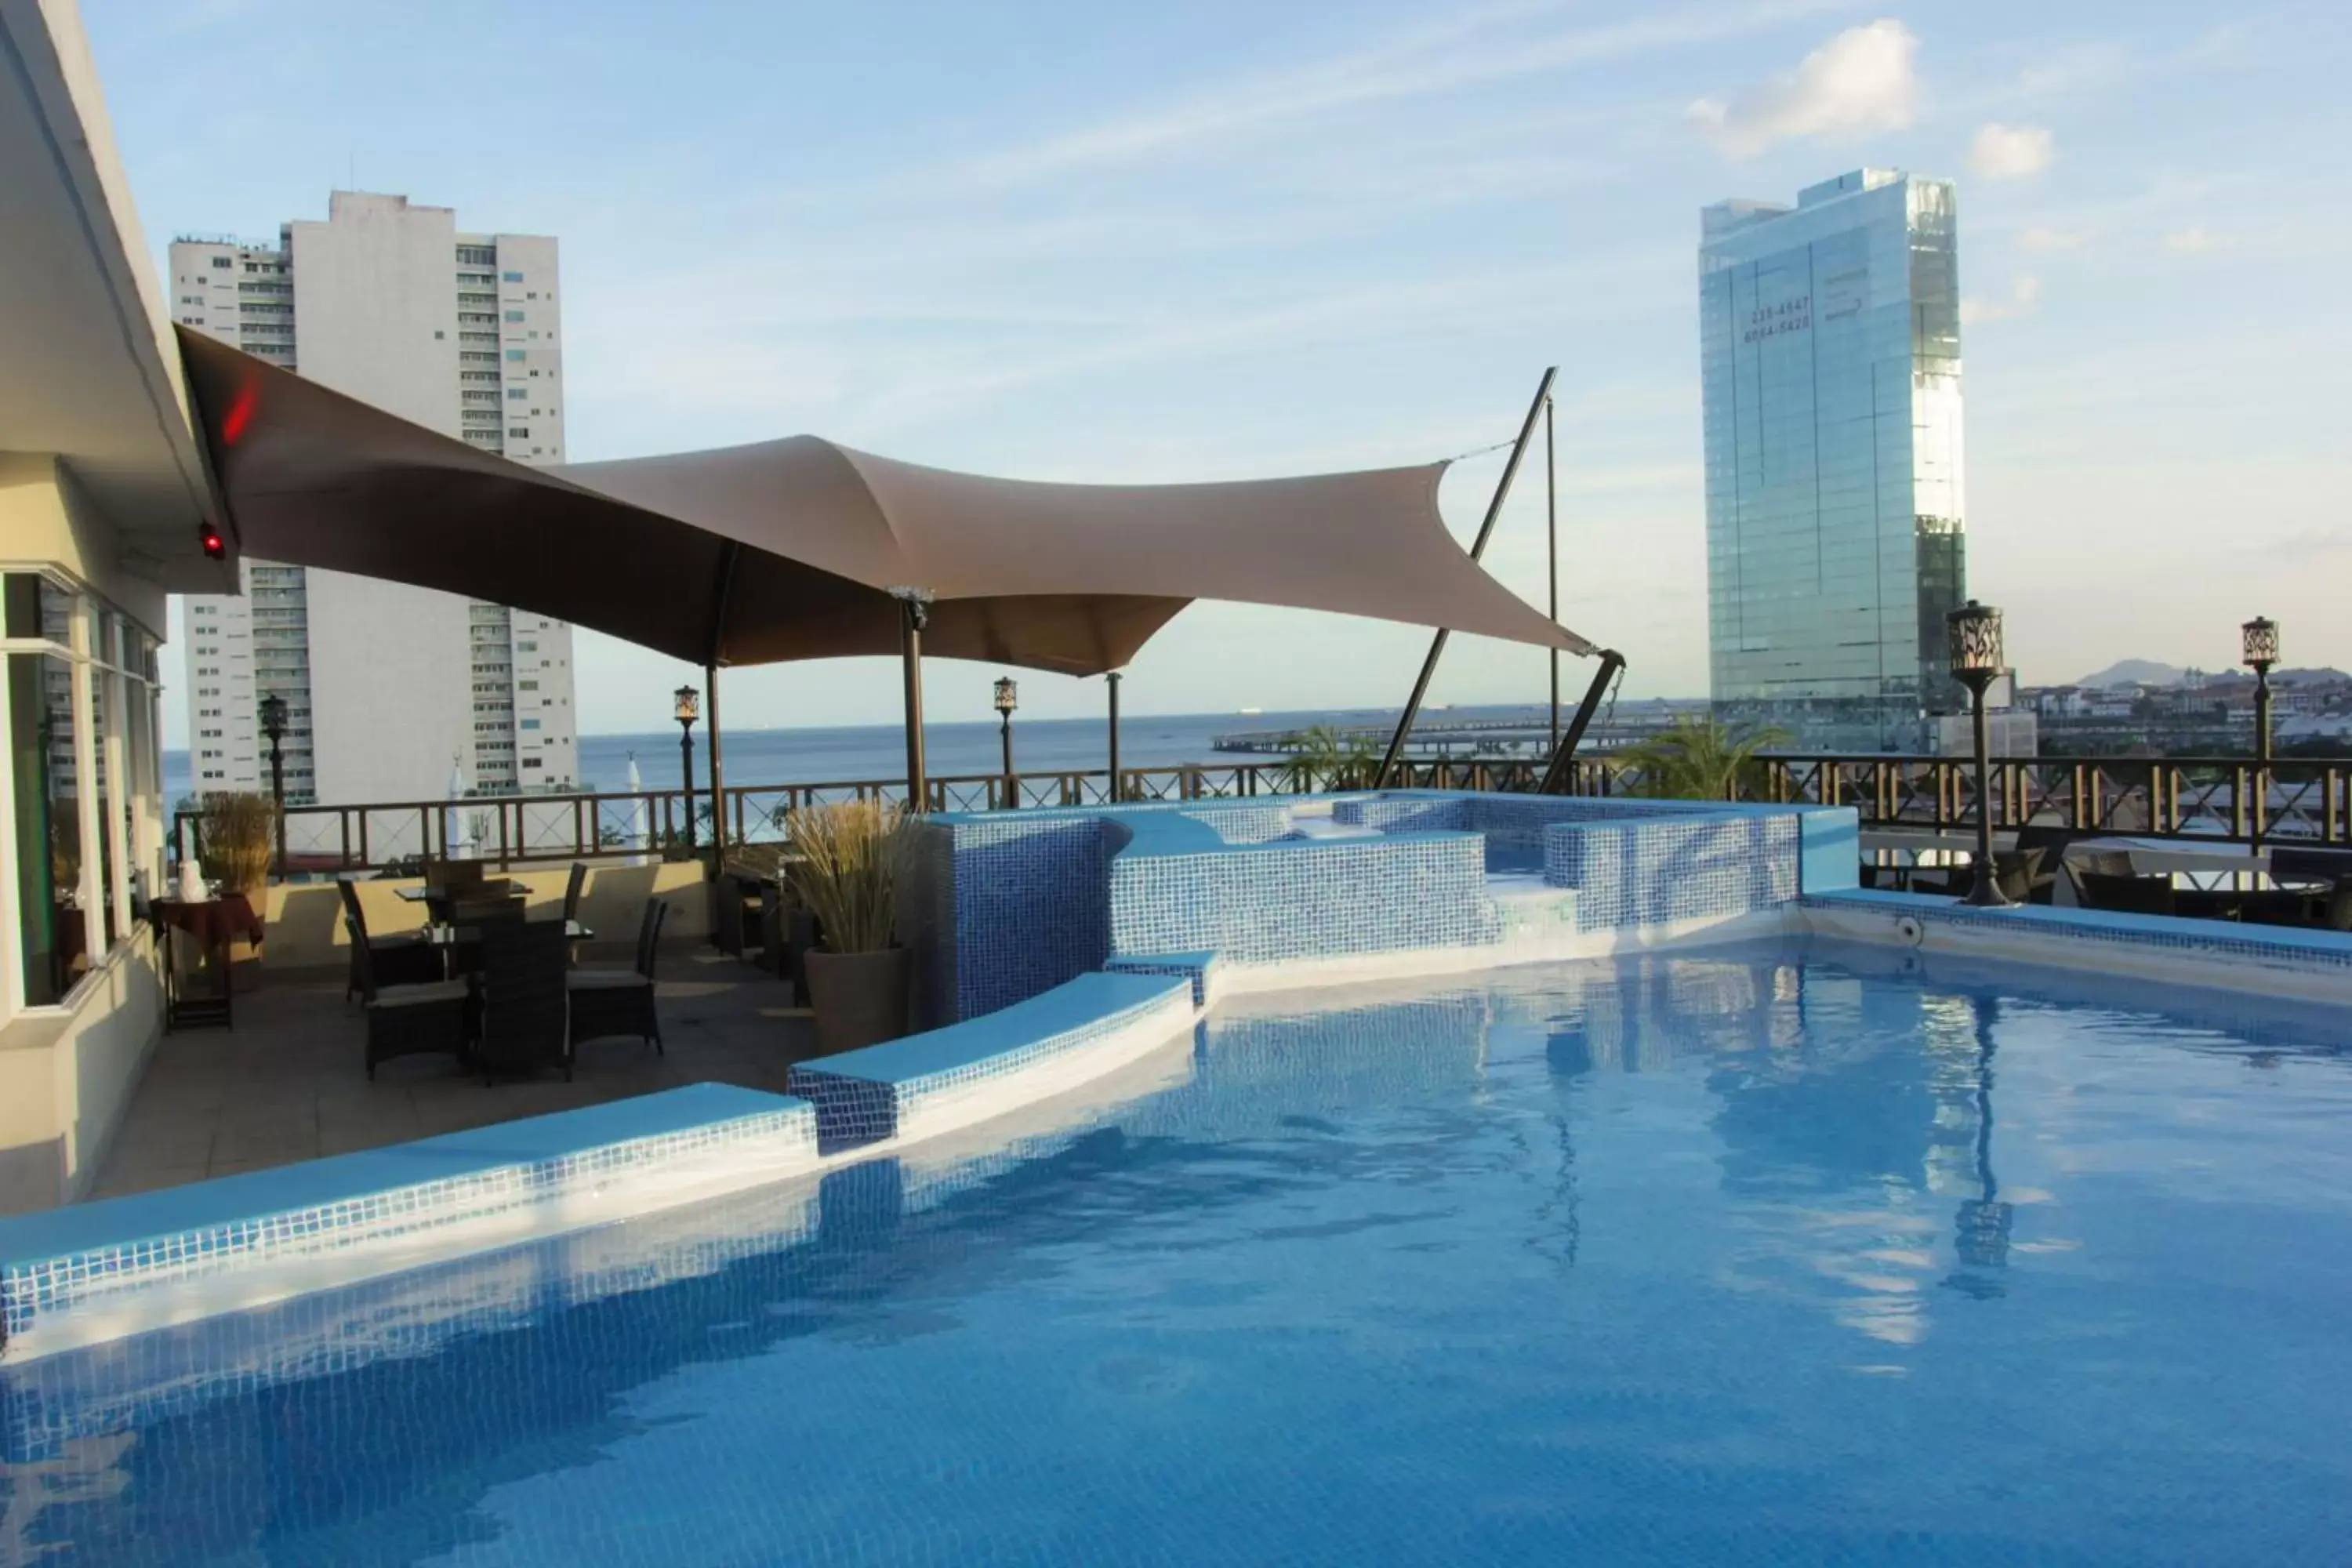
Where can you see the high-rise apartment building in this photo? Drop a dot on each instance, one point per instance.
(1830, 342)
(386, 684)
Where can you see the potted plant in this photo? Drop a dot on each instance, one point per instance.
(238, 827)
(846, 869)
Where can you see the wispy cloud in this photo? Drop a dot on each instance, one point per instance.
(1485, 45)
(1862, 80)
(2195, 241)
(2011, 151)
(2024, 294)
(2043, 238)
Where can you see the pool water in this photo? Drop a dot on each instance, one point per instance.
(1771, 1254)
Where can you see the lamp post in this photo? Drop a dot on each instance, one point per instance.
(1008, 698)
(2259, 640)
(273, 724)
(1972, 634)
(687, 709)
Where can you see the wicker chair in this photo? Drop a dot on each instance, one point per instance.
(405, 959)
(525, 1011)
(409, 1019)
(606, 1001)
(2126, 894)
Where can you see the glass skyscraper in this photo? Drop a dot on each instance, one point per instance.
(1829, 336)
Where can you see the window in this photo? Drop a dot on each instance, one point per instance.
(517, 391)
(514, 315)
(532, 295)
(513, 354)
(521, 432)
(527, 685)
(526, 648)
(514, 277)
(478, 256)
(221, 262)
(531, 723)
(532, 762)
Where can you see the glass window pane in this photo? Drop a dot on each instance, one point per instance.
(48, 826)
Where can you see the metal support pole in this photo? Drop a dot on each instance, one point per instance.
(1551, 558)
(1984, 888)
(1486, 532)
(915, 614)
(278, 798)
(1563, 757)
(1113, 679)
(685, 767)
(2261, 756)
(718, 776)
(1004, 731)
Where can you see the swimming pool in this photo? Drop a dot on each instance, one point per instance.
(1774, 1252)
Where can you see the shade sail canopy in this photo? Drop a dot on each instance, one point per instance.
(786, 550)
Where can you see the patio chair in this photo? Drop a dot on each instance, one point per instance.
(524, 1008)
(404, 958)
(574, 887)
(2019, 873)
(611, 1000)
(2053, 842)
(2094, 862)
(2126, 894)
(409, 1019)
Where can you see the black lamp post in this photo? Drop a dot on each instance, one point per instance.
(1972, 633)
(273, 724)
(1008, 698)
(2259, 639)
(689, 707)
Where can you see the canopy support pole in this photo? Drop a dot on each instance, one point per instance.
(1113, 677)
(1486, 532)
(718, 773)
(1551, 558)
(719, 589)
(1555, 779)
(915, 613)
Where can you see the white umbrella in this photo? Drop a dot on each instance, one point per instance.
(640, 826)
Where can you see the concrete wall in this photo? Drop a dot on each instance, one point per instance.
(306, 924)
(67, 1075)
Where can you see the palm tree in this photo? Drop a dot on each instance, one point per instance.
(1323, 756)
(1701, 759)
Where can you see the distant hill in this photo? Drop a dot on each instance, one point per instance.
(2135, 672)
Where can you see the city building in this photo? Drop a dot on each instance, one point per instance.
(386, 685)
(1830, 344)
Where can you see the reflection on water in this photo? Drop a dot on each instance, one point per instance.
(1590, 1253)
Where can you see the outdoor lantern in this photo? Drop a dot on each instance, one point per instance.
(1972, 633)
(273, 716)
(2261, 641)
(689, 706)
(1007, 694)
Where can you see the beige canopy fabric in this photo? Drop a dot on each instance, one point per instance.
(788, 549)
(1366, 543)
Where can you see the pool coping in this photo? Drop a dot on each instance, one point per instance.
(2222, 956)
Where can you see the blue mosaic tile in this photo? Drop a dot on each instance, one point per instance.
(865, 1096)
(1649, 872)
(2276, 946)
(54, 1261)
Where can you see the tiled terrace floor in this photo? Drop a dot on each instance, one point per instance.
(291, 1082)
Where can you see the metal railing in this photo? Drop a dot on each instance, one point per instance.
(2204, 797)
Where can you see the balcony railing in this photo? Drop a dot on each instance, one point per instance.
(2211, 799)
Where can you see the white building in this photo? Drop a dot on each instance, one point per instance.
(385, 684)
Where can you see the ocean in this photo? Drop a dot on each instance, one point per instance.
(860, 752)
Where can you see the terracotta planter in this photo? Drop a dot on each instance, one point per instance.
(859, 998)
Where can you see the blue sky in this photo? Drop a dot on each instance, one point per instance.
(1116, 242)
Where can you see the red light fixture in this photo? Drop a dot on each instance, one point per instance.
(216, 547)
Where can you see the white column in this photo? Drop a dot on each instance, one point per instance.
(119, 798)
(91, 892)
